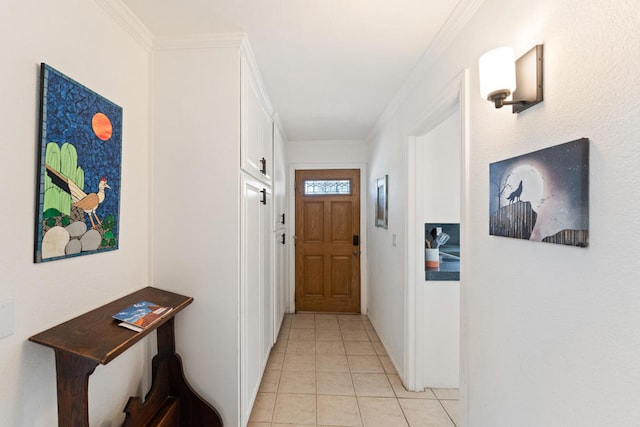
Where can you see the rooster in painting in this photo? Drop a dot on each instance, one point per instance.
(87, 202)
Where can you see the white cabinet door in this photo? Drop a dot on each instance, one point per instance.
(267, 290)
(280, 276)
(256, 134)
(256, 292)
(279, 180)
(281, 223)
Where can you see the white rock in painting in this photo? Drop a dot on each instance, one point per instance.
(54, 242)
(91, 240)
(73, 247)
(76, 228)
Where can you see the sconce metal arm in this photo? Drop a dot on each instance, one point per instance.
(499, 99)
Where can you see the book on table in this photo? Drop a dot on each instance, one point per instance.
(141, 315)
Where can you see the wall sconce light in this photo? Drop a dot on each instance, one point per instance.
(501, 76)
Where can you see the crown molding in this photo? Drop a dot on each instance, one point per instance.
(238, 41)
(250, 58)
(278, 123)
(327, 142)
(123, 16)
(462, 13)
(200, 41)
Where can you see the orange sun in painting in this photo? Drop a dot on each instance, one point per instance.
(101, 126)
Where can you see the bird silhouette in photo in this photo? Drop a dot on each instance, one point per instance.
(515, 195)
(87, 202)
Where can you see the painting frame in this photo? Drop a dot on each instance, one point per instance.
(382, 202)
(542, 195)
(79, 170)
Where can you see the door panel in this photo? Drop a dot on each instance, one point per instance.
(314, 222)
(256, 290)
(313, 275)
(256, 136)
(342, 227)
(341, 276)
(327, 262)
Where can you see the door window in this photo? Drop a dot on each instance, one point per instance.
(327, 187)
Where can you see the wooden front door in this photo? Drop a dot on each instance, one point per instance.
(327, 240)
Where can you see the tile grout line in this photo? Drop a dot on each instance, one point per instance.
(341, 325)
(446, 412)
(355, 393)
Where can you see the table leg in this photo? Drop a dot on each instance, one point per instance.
(72, 377)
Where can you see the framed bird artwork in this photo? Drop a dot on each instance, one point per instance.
(80, 157)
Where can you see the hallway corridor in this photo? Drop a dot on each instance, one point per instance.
(332, 370)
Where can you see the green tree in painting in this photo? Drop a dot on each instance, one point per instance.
(64, 160)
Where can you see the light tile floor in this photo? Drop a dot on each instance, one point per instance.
(332, 370)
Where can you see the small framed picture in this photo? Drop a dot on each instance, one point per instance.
(382, 206)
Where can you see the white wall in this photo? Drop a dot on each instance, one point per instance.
(196, 208)
(438, 170)
(387, 275)
(326, 152)
(80, 39)
(549, 332)
(439, 164)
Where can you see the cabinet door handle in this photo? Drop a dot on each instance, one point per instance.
(263, 168)
(282, 219)
(264, 196)
(283, 239)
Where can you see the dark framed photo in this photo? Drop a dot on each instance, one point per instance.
(382, 205)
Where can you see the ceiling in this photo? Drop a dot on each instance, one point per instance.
(330, 67)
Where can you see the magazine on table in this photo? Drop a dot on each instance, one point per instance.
(141, 315)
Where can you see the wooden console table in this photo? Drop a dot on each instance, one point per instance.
(94, 338)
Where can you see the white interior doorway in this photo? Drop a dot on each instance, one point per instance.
(438, 184)
(436, 175)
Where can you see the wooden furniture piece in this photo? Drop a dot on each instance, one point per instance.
(94, 338)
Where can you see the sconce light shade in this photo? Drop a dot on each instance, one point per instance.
(501, 77)
(497, 73)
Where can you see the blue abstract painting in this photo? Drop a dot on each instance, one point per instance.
(79, 179)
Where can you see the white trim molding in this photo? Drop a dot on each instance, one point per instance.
(199, 41)
(462, 13)
(455, 96)
(124, 17)
(215, 41)
(291, 177)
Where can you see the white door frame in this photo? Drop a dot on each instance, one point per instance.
(291, 226)
(454, 96)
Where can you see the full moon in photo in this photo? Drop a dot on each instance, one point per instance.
(532, 184)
